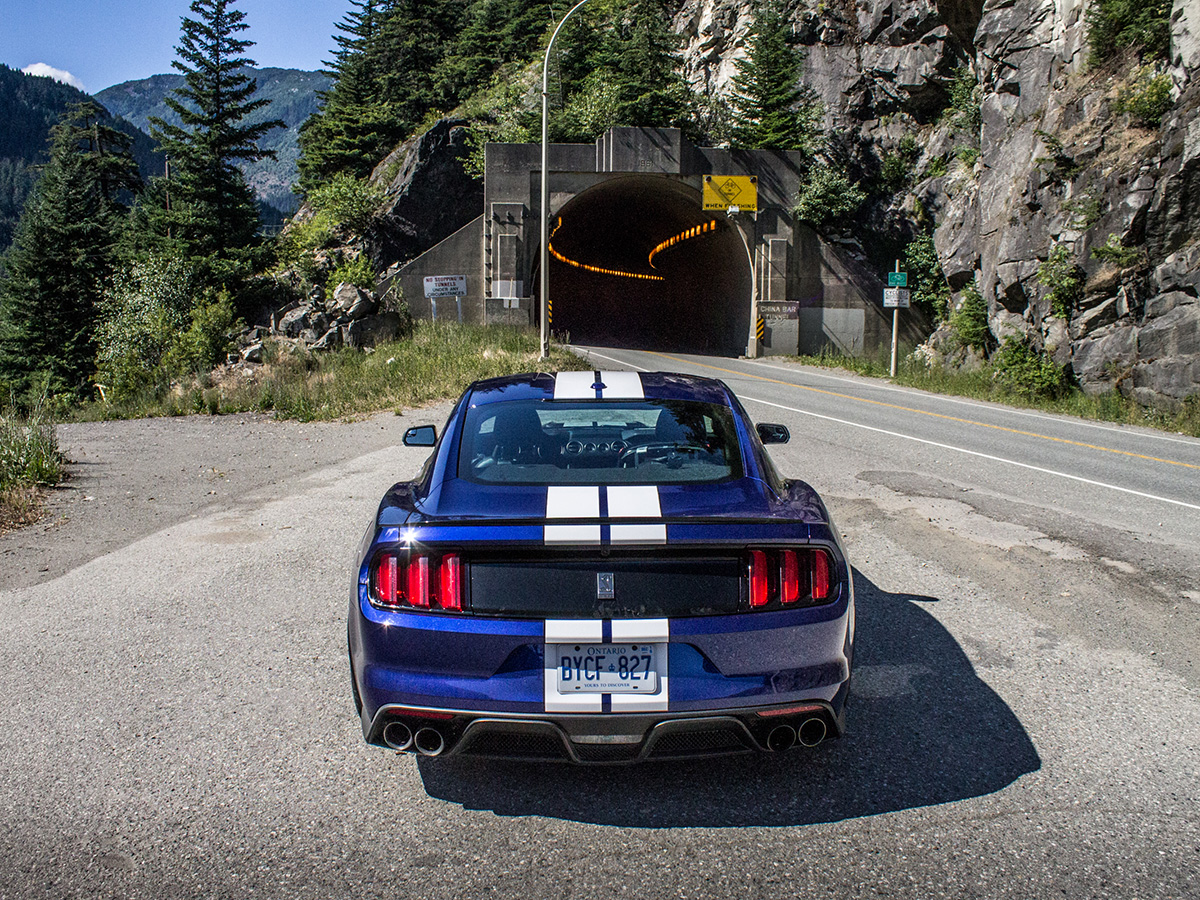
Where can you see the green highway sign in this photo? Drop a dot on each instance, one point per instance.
(897, 279)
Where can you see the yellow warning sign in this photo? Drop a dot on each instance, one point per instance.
(724, 191)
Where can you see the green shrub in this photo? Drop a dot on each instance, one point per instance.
(1113, 251)
(965, 98)
(1064, 280)
(357, 271)
(155, 327)
(29, 451)
(967, 156)
(1083, 212)
(350, 202)
(1147, 99)
(937, 167)
(930, 292)
(140, 316)
(827, 196)
(207, 340)
(1140, 25)
(970, 320)
(1024, 371)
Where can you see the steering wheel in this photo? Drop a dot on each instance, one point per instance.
(636, 455)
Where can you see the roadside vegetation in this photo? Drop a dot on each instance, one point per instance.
(437, 361)
(29, 461)
(1018, 376)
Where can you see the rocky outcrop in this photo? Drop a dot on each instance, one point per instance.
(430, 195)
(1049, 162)
(349, 317)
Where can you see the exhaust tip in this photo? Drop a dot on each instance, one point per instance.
(781, 738)
(398, 736)
(429, 742)
(812, 731)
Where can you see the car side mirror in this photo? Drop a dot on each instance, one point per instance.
(420, 436)
(772, 434)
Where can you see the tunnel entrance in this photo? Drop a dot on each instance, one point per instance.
(610, 286)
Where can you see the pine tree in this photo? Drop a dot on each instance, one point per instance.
(770, 108)
(212, 212)
(651, 90)
(63, 254)
(354, 128)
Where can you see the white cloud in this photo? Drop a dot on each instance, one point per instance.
(56, 74)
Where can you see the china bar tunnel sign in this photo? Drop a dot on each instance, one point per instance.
(445, 286)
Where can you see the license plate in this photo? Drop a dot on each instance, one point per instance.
(606, 668)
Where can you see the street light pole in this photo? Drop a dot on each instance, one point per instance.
(544, 263)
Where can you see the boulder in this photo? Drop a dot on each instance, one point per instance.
(1175, 333)
(1164, 383)
(430, 195)
(1164, 303)
(1097, 361)
(293, 322)
(372, 330)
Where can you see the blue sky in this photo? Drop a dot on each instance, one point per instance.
(104, 42)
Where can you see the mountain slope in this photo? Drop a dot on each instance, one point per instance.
(30, 105)
(293, 96)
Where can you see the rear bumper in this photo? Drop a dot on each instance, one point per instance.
(606, 739)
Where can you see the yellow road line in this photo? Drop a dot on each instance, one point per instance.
(1033, 434)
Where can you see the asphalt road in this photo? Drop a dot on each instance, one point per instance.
(1025, 718)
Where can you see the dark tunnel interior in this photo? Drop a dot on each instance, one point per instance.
(698, 297)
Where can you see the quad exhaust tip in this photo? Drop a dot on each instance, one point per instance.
(398, 736)
(781, 738)
(429, 742)
(812, 731)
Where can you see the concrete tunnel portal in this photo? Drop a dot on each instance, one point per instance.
(610, 287)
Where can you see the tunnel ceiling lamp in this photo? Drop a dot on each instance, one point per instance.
(705, 228)
(545, 248)
(599, 270)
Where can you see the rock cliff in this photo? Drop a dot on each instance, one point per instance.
(1078, 223)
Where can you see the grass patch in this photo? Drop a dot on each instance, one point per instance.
(984, 384)
(437, 362)
(29, 457)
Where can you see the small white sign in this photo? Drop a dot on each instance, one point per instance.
(445, 286)
(895, 298)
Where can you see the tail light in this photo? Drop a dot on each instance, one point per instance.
(790, 577)
(417, 581)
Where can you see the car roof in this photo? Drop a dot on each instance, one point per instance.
(613, 385)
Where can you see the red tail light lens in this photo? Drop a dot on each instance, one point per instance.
(385, 579)
(820, 575)
(418, 581)
(791, 577)
(759, 582)
(450, 582)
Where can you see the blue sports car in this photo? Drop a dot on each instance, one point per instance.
(600, 567)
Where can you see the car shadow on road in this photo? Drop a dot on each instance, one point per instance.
(923, 729)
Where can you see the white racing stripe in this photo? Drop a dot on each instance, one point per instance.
(621, 386)
(633, 501)
(640, 501)
(583, 502)
(574, 386)
(582, 386)
(569, 501)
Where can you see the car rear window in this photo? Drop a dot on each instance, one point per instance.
(599, 442)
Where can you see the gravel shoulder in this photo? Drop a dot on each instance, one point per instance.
(128, 479)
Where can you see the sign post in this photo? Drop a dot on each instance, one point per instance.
(737, 194)
(445, 286)
(896, 297)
